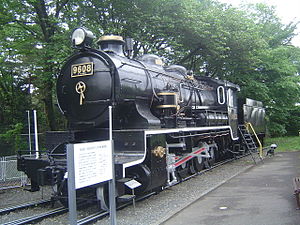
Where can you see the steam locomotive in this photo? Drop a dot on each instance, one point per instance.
(167, 123)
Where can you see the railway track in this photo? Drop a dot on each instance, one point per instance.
(96, 216)
(61, 210)
(23, 206)
(102, 214)
(38, 217)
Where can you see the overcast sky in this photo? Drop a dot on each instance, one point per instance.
(287, 10)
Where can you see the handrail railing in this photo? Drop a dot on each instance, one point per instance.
(248, 124)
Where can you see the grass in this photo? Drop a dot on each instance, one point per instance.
(284, 144)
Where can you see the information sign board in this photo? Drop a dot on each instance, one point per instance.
(92, 163)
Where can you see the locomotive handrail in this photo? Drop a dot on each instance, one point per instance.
(152, 70)
(248, 124)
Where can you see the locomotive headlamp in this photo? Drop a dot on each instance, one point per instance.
(82, 37)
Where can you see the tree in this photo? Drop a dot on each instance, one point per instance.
(278, 68)
(33, 31)
(14, 99)
(248, 46)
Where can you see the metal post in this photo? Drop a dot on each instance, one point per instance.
(112, 194)
(36, 135)
(133, 200)
(71, 185)
(29, 130)
(4, 169)
(110, 123)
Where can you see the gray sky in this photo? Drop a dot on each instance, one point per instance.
(287, 10)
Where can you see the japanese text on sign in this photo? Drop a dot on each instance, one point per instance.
(93, 163)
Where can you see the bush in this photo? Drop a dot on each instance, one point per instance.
(276, 129)
(11, 140)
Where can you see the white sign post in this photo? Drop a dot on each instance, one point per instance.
(88, 164)
(112, 182)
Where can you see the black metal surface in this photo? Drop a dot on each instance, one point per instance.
(30, 166)
(133, 86)
(130, 141)
(97, 94)
(157, 164)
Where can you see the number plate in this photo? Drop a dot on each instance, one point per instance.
(83, 69)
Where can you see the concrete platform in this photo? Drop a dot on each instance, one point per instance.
(263, 195)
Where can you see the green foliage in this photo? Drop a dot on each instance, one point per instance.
(293, 126)
(276, 129)
(284, 144)
(279, 73)
(14, 97)
(12, 139)
(32, 29)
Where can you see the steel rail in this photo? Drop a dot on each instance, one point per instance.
(23, 206)
(38, 217)
(62, 210)
(102, 214)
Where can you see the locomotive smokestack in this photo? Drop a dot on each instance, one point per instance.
(112, 43)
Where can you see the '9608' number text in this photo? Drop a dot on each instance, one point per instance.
(83, 69)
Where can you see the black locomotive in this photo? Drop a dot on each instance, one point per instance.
(167, 122)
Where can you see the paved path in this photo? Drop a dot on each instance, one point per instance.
(263, 195)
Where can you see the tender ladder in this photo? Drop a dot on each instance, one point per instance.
(248, 140)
